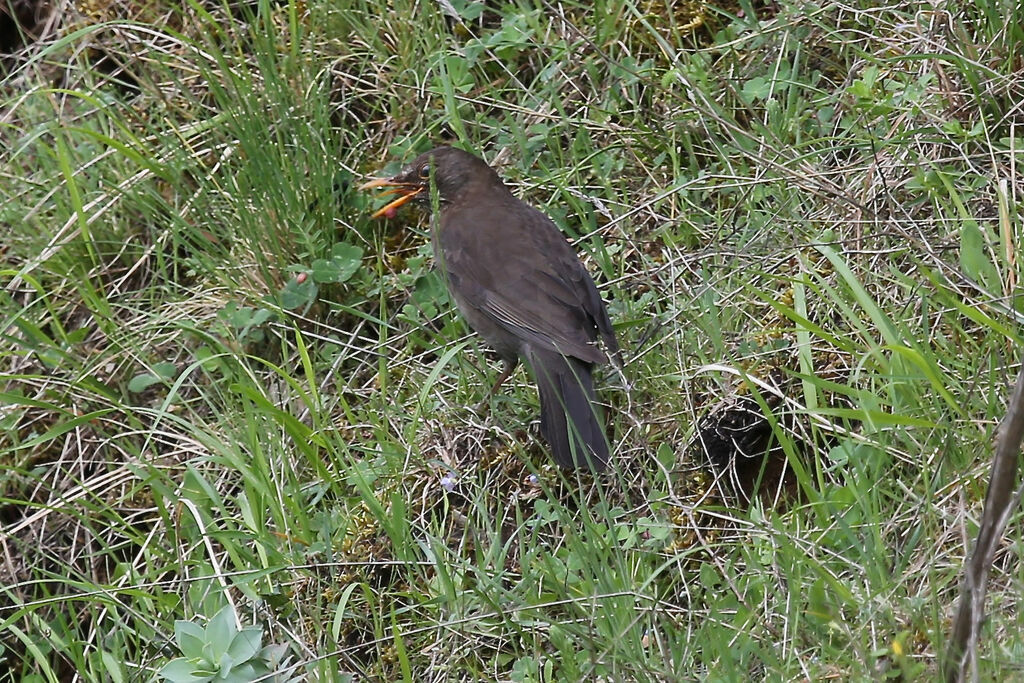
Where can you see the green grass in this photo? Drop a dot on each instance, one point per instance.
(223, 385)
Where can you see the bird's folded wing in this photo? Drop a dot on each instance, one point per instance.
(546, 314)
(527, 279)
(517, 319)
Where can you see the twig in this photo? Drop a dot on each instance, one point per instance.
(961, 655)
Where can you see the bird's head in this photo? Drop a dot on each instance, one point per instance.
(451, 170)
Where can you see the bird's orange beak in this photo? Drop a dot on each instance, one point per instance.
(406, 191)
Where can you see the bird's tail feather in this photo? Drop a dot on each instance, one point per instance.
(568, 413)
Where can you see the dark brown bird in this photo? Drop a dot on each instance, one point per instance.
(521, 286)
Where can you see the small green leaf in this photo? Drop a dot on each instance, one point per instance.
(245, 673)
(181, 670)
(190, 638)
(165, 370)
(246, 644)
(237, 316)
(140, 383)
(757, 88)
(666, 456)
(113, 666)
(819, 603)
(296, 295)
(224, 666)
(468, 10)
(246, 321)
(973, 257)
(860, 90)
(161, 372)
(324, 270)
(259, 316)
(219, 633)
(344, 262)
(273, 654)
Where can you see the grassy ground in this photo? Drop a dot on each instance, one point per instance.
(229, 398)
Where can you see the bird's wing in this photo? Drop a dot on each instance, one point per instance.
(523, 275)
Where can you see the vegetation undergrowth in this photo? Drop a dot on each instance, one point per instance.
(239, 421)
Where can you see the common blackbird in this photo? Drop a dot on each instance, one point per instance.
(521, 286)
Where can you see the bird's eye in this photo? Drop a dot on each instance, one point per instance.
(425, 171)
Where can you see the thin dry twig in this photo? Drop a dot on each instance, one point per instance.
(962, 653)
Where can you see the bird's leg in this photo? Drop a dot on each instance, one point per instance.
(506, 372)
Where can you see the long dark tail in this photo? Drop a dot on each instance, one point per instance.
(568, 414)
